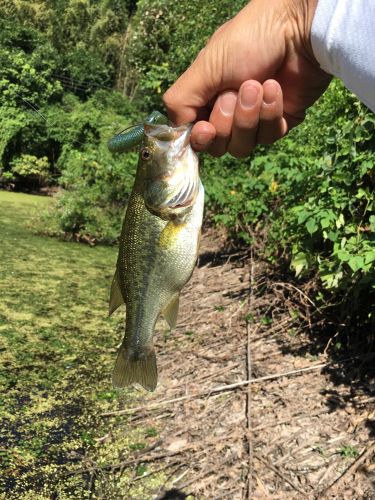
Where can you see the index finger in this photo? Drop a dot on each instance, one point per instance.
(192, 91)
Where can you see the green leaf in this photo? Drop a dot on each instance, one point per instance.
(311, 226)
(299, 263)
(356, 263)
(340, 221)
(332, 236)
(370, 257)
(343, 255)
(331, 279)
(303, 216)
(325, 223)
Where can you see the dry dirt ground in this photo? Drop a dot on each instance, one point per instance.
(303, 427)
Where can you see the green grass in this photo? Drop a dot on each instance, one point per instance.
(57, 351)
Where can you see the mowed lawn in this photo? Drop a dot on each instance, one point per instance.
(57, 351)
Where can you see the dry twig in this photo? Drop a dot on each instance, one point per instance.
(203, 474)
(289, 285)
(340, 481)
(126, 463)
(155, 471)
(280, 474)
(248, 370)
(214, 390)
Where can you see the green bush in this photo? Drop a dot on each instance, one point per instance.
(95, 183)
(32, 169)
(26, 71)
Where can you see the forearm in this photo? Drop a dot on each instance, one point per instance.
(343, 42)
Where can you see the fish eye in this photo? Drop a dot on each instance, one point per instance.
(145, 154)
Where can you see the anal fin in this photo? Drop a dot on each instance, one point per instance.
(170, 313)
(116, 298)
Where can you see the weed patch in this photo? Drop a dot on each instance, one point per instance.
(56, 356)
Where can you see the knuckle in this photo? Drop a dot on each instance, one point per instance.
(168, 99)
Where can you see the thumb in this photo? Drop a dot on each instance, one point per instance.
(192, 91)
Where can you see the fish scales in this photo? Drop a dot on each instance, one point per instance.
(158, 247)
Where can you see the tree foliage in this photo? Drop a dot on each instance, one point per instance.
(56, 58)
(165, 37)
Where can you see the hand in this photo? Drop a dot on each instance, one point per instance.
(253, 81)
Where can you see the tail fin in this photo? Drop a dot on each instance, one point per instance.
(143, 371)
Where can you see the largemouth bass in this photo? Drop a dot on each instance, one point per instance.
(158, 246)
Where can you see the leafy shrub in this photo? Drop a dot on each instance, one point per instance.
(7, 180)
(26, 69)
(32, 169)
(95, 183)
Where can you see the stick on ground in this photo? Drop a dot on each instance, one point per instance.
(215, 390)
(340, 481)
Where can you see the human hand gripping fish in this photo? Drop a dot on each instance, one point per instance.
(158, 243)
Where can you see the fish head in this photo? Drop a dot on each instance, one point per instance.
(168, 171)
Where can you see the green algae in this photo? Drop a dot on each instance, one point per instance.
(57, 351)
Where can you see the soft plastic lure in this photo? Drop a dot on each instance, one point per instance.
(133, 136)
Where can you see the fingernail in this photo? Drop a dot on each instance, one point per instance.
(270, 90)
(227, 103)
(249, 95)
(203, 139)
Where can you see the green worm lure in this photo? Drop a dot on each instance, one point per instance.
(133, 136)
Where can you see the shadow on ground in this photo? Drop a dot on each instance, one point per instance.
(174, 494)
(344, 334)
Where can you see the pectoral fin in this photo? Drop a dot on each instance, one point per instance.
(170, 313)
(116, 298)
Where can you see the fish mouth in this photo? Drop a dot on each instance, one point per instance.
(169, 141)
(176, 184)
(166, 133)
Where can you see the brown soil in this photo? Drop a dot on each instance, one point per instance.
(301, 433)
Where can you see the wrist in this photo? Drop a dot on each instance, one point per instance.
(301, 14)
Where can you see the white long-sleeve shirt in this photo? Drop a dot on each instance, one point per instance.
(343, 42)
